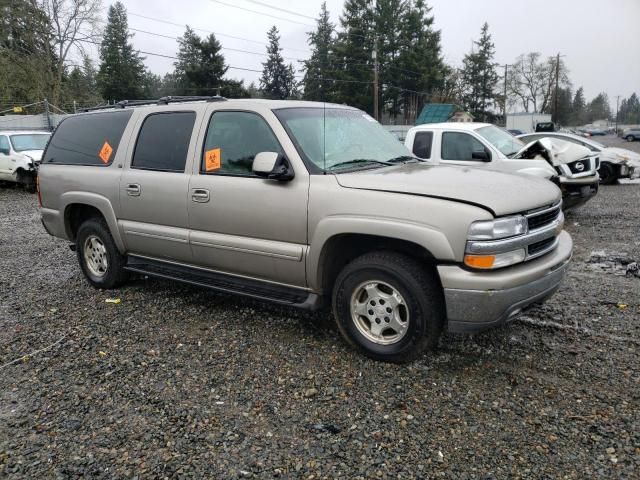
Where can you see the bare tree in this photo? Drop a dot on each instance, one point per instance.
(531, 81)
(73, 24)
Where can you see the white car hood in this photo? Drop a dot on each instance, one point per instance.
(555, 151)
(35, 154)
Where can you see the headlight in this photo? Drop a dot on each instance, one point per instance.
(498, 228)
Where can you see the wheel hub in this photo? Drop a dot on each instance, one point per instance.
(95, 256)
(379, 312)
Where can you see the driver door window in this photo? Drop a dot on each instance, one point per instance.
(232, 142)
(461, 147)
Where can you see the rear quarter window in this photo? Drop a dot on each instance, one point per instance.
(89, 139)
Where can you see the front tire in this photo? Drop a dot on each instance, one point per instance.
(608, 175)
(630, 138)
(99, 258)
(388, 306)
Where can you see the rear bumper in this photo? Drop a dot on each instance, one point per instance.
(476, 301)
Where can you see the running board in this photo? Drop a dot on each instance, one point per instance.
(221, 282)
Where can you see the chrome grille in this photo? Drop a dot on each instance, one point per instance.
(543, 218)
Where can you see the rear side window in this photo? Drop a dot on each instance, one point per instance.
(87, 139)
(163, 142)
(422, 144)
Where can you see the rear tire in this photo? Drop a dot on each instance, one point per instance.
(608, 175)
(99, 258)
(388, 306)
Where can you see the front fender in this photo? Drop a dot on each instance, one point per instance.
(94, 200)
(432, 240)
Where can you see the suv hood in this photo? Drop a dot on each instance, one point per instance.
(500, 193)
(555, 151)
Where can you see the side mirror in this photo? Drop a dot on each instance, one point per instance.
(5, 151)
(482, 155)
(273, 166)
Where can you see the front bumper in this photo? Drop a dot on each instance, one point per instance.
(578, 192)
(476, 301)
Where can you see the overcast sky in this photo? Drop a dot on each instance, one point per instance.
(598, 38)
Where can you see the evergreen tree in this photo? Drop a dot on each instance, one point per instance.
(80, 86)
(121, 74)
(599, 108)
(629, 112)
(27, 61)
(278, 80)
(353, 64)
(389, 22)
(321, 42)
(565, 107)
(419, 69)
(200, 66)
(578, 109)
(480, 77)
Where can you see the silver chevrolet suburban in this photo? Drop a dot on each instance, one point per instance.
(303, 204)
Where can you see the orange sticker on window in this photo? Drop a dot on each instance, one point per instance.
(105, 152)
(212, 159)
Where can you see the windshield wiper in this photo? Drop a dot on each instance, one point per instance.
(405, 159)
(358, 160)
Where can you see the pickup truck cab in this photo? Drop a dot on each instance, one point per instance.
(572, 167)
(20, 155)
(303, 204)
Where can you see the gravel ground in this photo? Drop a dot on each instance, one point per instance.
(178, 382)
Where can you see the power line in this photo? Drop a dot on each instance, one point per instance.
(291, 12)
(167, 22)
(173, 57)
(223, 48)
(262, 13)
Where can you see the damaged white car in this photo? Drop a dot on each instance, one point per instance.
(20, 155)
(615, 162)
(572, 167)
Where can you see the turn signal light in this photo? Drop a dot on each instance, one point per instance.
(479, 261)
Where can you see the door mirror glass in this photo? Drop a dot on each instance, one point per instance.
(480, 155)
(272, 165)
(5, 151)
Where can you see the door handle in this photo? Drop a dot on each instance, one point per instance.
(133, 190)
(200, 195)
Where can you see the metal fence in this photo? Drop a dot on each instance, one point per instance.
(30, 122)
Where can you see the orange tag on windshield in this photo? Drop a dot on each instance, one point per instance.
(105, 152)
(212, 159)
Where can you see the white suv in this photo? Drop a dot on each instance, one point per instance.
(20, 155)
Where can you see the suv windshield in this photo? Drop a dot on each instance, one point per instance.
(503, 141)
(23, 142)
(337, 138)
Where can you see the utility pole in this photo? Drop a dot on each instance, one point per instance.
(555, 108)
(504, 104)
(374, 55)
(75, 107)
(617, 110)
(46, 111)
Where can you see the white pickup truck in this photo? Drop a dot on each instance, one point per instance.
(572, 167)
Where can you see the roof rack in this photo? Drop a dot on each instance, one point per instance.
(160, 101)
